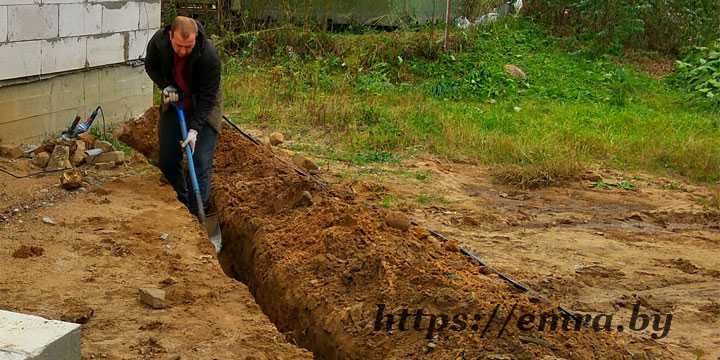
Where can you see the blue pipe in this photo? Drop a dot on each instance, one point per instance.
(191, 164)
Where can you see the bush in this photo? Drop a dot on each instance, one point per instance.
(667, 26)
(699, 73)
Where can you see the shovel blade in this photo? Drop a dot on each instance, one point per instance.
(212, 225)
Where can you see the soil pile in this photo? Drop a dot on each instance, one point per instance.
(329, 269)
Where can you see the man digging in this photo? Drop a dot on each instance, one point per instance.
(183, 62)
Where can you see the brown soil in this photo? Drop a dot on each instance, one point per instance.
(106, 244)
(24, 252)
(593, 250)
(320, 268)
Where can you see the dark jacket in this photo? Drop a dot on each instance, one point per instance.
(203, 76)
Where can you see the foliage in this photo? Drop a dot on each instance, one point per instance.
(667, 26)
(368, 101)
(699, 73)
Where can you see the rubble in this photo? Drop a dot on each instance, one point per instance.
(71, 179)
(276, 138)
(41, 160)
(153, 298)
(114, 157)
(88, 139)
(79, 156)
(104, 146)
(305, 163)
(60, 158)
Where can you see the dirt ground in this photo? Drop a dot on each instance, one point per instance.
(321, 259)
(97, 246)
(319, 268)
(594, 250)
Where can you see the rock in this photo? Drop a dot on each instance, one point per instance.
(115, 157)
(153, 298)
(397, 220)
(304, 163)
(60, 158)
(41, 160)
(79, 155)
(515, 72)
(71, 179)
(11, 151)
(49, 221)
(164, 236)
(88, 139)
(276, 138)
(103, 145)
(105, 165)
(305, 200)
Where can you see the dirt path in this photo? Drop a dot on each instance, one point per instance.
(107, 243)
(594, 250)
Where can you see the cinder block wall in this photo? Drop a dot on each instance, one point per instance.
(39, 37)
(59, 58)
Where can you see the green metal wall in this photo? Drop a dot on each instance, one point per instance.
(380, 12)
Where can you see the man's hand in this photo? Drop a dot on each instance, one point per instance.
(170, 95)
(191, 139)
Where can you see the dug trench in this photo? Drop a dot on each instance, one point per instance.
(321, 264)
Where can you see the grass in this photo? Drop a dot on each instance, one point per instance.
(382, 97)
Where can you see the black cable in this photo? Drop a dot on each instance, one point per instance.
(30, 175)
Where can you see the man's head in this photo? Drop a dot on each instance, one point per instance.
(183, 32)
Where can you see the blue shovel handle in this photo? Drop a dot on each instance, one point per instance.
(191, 164)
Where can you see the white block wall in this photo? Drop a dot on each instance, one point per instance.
(39, 37)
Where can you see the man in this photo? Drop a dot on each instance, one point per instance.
(183, 62)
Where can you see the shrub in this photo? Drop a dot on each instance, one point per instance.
(667, 26)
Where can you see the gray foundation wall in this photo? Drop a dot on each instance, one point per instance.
(37, 110)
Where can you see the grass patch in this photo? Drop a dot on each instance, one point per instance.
(380, 97)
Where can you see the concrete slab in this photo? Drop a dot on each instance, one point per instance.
(32, 337)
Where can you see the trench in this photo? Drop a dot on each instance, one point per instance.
(320, 263)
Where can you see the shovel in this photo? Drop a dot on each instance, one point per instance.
(212, 225)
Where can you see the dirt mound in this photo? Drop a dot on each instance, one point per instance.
(347, 285)
(24, 252)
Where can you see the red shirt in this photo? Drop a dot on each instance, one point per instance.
(180, 75)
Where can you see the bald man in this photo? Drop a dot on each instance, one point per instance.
(183, 62)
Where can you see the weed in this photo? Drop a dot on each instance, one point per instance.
(422, 175)
(389, 201)
(622, 185)
(107, 136)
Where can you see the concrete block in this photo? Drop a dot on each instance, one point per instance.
(150, 15)
(3, 24)
(35, 111)
(137, 43)
(32, 22)
(19, 2)
(118, 17)
(80, 19)
(106, 49)
(15, 65)
(63, 54)
(32, 337)
(59, 1)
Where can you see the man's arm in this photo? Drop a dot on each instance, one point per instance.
(153, 61)
(207, 89)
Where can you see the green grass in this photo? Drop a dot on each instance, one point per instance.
(382, 97)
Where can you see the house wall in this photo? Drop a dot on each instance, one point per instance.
(61, 58)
